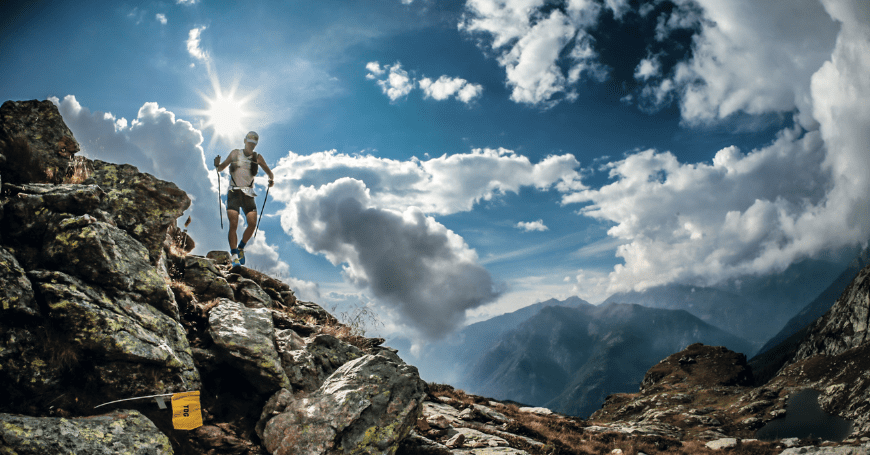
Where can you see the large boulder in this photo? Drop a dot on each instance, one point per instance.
(108, 256)
(17, 296)
(245, 338)
(37, 144)
(141, 350)
(308, 366)
(120, 432)
(365, 407)
(141, 204)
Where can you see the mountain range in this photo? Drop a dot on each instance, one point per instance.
(570, 358)
(569, 355)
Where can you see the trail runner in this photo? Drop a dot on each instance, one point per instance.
(243, 168)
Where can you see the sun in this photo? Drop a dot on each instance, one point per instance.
(227, 114)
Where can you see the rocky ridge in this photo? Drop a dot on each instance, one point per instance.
(102, 301)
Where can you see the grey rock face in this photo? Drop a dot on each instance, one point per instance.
(140, 204)
(844, 326)
(245, 336)
(108, 256)
(121, 432)
(17, 296)
(309, 366)
(119, 330)
(35, 207)
(367, 406)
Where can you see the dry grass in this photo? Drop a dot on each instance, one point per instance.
(78, 170)
(59, 352)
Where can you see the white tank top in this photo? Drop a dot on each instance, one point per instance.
(240, 171)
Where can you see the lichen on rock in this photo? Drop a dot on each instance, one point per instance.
(123, 432)
(245, 336)
(365, 407)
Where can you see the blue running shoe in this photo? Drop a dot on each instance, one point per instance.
(236, 261)
(242, 256)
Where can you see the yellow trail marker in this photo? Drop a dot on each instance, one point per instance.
(186, 411)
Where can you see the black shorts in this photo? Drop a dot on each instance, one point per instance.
(237, 200)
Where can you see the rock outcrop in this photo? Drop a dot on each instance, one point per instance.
(708, 392)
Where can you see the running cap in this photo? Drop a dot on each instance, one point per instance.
(252, 137)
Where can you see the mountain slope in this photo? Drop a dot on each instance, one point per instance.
(446, 359)
(753, 308)
(570, 359)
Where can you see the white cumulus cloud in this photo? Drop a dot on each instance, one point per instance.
(445, 87)
(647, 68)
(161, 18)
(443, 185)
(193, 44)
(398, 83)
(755, 58)
(529, 226)
(758, 211)
(531, 42)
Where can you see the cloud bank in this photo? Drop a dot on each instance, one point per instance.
(758, 211)
(370, 214)
(443, 185)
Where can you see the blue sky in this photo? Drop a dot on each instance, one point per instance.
(441, 162)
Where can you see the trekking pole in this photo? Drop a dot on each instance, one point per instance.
(262, 210)
(220, 209)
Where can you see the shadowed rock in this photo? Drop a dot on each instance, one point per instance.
(36, 142)
(124, 332)
(17, 296)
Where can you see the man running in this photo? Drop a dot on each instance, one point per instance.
(243, 168)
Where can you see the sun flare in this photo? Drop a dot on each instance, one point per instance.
(227, 114)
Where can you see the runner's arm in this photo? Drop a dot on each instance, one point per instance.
(265, 166)
(220, 167)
